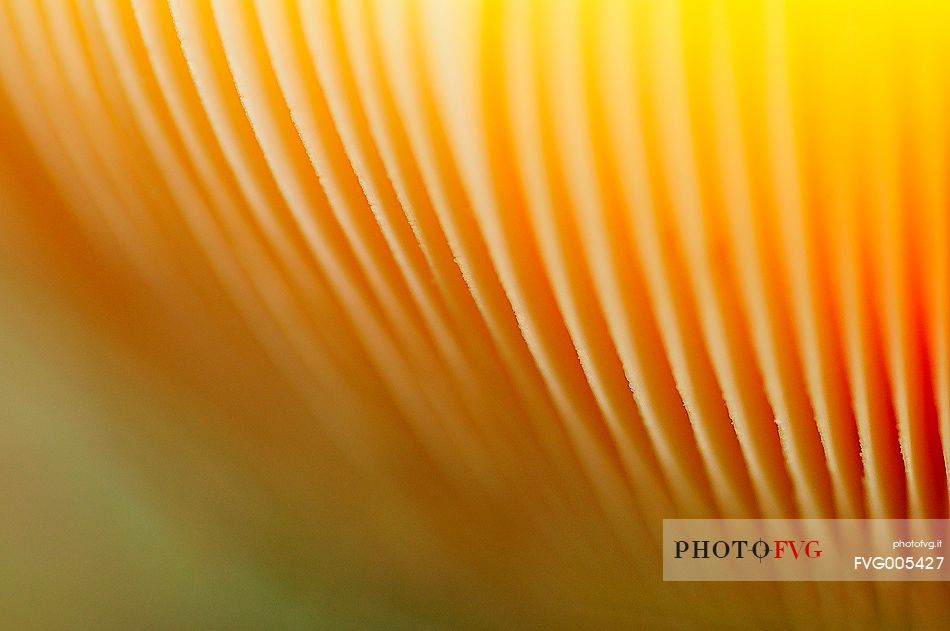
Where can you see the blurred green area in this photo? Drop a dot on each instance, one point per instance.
(108, 519)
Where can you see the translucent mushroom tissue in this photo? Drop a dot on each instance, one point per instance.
(424, 313)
